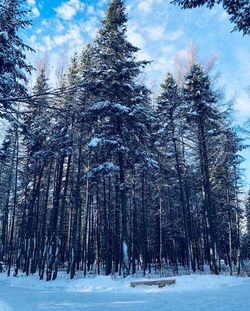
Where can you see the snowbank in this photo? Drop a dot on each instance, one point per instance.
(190, 293)
(4, 306)
(108, 284)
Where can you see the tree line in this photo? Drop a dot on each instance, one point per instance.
(95, 178)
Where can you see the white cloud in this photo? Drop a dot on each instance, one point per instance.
(90, 9)
(34, 8)
(67, 10)
(155, 33)
(143, 55)
(145, 6)
(90, 26)
(242, 57)
(163, 64)
(128, 8)
(48, 42)
(73, 35)
(59, 26)
(175, 35)
(61, 39)
(31, 2)
(243, 106)
(223, 16)
(35, 11)
(134, 36)
(34, 42)
(101, 3)
(45, 23)
(136, 39)
(169, 49)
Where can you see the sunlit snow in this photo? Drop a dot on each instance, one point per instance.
(190, 293)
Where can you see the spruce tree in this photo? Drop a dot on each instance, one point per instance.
(201, 112)
(37, 134)
(120, 104)
(13, 65)
(248, 213)
(168, 111)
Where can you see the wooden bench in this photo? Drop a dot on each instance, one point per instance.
(160, 283)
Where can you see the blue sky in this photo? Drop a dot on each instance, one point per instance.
(161, 30)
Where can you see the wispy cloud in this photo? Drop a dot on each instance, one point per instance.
(67, 10)
(90, 9)
(90, 26)
(175, 35)
(134, 36)
(145, 6)
(155, 32)
(34, 9)
(73, 35)
(243, 106)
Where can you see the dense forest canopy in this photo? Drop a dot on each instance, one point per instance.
(95, 178)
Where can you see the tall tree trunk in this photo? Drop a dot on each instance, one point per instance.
(124, 231)
(53, 229)
(44, 243)
(76, 208)
(12, 226)
(62, 221)
(183, 203)
(209, 209)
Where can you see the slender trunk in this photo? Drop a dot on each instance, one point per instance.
(183, 203)
(98, 239)
(209, 210)
(62, 233)
(134, 227)
(124, 231)
(14, 203)
(44, 244)
(160, 228)
(53, 230)
(85, 219)
(76, 207)
(144, 224)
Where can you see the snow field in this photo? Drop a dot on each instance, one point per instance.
(190, 293)
(108, 284)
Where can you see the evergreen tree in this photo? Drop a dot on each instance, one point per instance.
(87, 187)
(168, 111)
(6, 182)
(120, 104)
(36, 130)
(248, 213)
(13, 66)
(201, 112)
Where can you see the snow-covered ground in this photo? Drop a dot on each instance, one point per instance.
(190, 293)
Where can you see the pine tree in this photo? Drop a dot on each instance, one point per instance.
(36, 129)
(13, 66)
(120, 104)
(86, 185)
(201, 112)
(7, 161)
(168, 112)
(248, 213)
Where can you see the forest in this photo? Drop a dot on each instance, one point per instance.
(99, 176)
